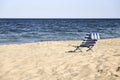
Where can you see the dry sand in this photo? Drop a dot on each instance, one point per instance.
(52, 61)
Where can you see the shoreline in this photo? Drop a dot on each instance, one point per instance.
(49, 41)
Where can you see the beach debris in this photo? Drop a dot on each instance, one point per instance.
(118, 68)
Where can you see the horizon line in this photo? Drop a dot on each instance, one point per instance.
(59, 18)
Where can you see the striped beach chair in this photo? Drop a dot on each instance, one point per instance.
(89, 41)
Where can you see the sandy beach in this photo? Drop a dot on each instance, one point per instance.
(52, 61)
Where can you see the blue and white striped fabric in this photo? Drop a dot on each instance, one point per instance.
(94, 36)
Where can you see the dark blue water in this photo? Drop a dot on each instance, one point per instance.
(34, 30)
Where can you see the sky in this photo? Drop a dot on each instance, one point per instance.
(59, 8)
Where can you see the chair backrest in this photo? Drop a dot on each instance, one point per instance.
(90, 39)
(94, 36)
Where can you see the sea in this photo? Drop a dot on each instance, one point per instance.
(16, 31)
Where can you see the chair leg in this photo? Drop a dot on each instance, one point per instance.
(90, 48)
(78, 48)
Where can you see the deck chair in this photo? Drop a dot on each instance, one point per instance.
(89, 41)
